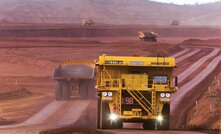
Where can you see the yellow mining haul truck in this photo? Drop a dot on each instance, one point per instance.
(148, 36)
(86, 22)
(134, 89)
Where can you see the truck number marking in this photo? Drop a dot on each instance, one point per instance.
(129, 100)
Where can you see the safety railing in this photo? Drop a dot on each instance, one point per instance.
(160, 85)
(112, 83)
(88, 62)
(141, 100)
(109, 79)
(121, 83)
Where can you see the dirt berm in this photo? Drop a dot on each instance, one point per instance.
(102, 31)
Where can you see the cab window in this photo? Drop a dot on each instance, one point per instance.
(160, 79)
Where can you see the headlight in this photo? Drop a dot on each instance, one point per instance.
(110, 94)
(162, 95)
(159, 118)
(113, 117)
(104, 93)
(168, 95)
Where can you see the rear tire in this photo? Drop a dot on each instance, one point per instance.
(92, 94)
(66, 92)
(58, 91)
(84, 89)
(149, 39)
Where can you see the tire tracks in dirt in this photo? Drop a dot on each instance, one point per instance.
(71, 112)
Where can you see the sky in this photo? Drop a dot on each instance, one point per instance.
(181, 2)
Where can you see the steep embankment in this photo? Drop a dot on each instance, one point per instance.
(205, 114)
(123, 12)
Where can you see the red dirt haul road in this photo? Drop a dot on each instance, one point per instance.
(63, 113)
(68, 115)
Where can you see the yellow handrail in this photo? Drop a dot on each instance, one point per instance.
(140, 101)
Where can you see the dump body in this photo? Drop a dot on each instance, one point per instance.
(148, 36)
(175, 23)
(134, 89)
(75, 80)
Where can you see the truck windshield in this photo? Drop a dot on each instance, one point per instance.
(160, 79)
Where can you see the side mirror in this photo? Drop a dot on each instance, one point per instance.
(176, 81)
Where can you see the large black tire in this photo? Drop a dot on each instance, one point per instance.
(58, 91)
(149, 124)
(84, 89)
(149, 39)
(142, 39)
(98, 112)
(66, 91)
(165, 125)
(105, 123)
(92, 94)
(117, 125)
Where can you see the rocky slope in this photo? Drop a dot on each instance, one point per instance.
(107, 11)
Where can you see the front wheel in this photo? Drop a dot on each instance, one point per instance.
(149, 124)
(165, 124)
(117, 124)
(105, 123)
(98, 112)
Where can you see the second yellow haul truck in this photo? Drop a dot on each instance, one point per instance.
(134, 89)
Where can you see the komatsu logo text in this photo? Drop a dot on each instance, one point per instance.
(137, 63)
(113, 62)
(160, 63)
